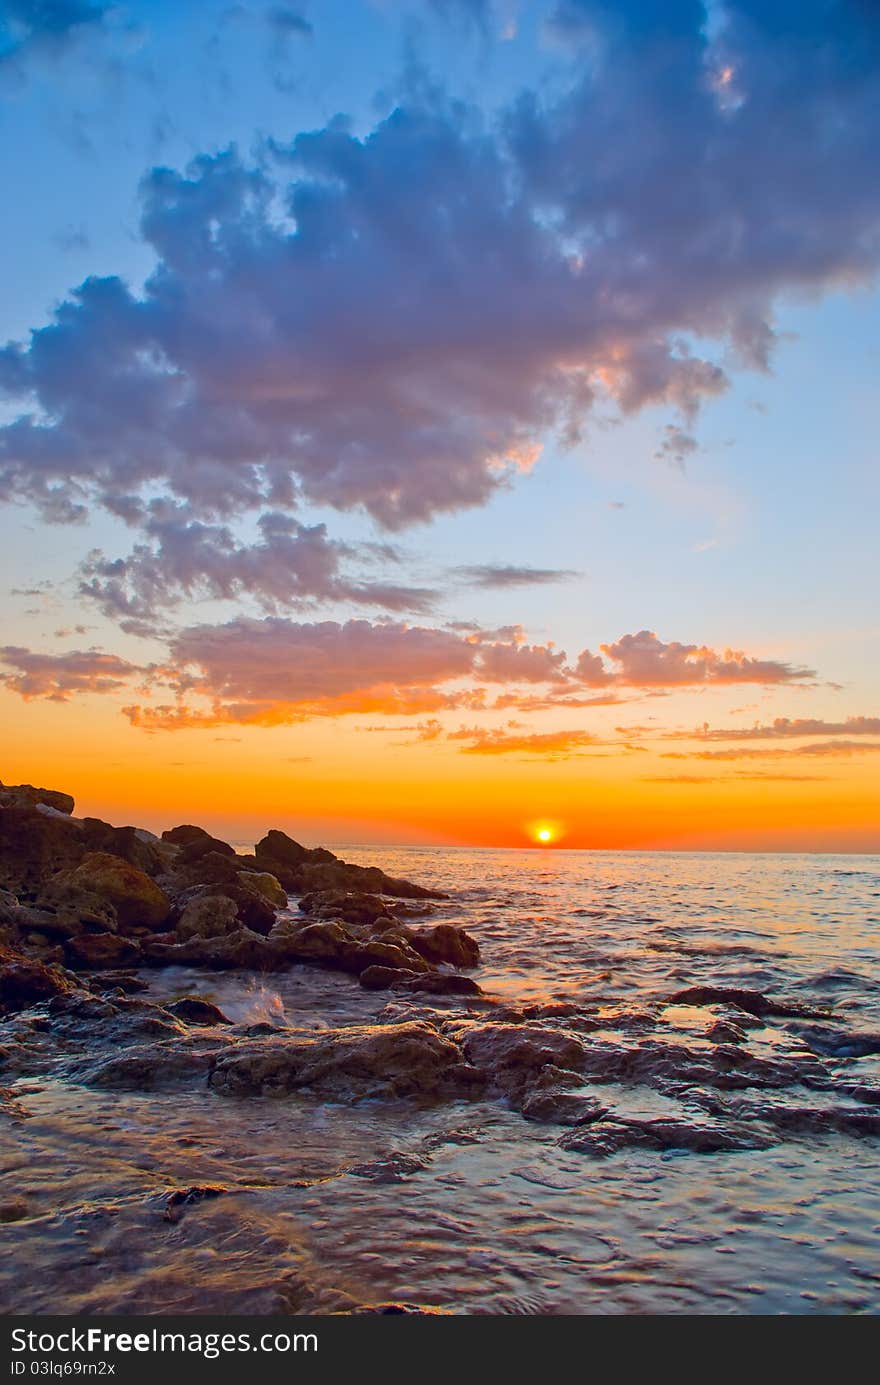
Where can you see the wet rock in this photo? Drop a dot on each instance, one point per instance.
(521, 1051)
(211, 916)
(24, 982)
(14, 1209)
(382, 978)
(446, 943)
(97, 951)
(176, 1203)
(242, 948)
(604, 1137)
(264, 884)
(561, 1107)
(138, 900)
(193, 1010)
(440, 983)
(26, 796)
(350, 906)
(752, 1002)
(252, 909)
(353, 1063)
(837, 1043)
(211, 868)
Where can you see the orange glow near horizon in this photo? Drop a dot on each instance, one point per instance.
(332, 784)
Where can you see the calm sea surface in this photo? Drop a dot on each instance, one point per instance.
(479, 1210)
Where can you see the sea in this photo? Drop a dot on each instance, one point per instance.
(465, 1207)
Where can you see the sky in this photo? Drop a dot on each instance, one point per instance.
(444, 421)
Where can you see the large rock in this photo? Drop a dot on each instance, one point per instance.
(242, 949)
(100, 951)
(186, 832)
(34, 845)
(302, 870)
(445, 943)
(211, 916)
(277, 846)
(351, 906)
(69, 909)
(264, 884)
(356, 1062)
(26, 796)
(24, 982)
(201, 846)
(134, 844)
(138, 900)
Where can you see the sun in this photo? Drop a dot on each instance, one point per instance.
(544, 834)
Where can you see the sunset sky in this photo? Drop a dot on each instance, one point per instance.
(436, 420)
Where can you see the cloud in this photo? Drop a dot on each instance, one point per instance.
(32, 28)
(645, 661)
(843, 749)
(57, 677)
(551, 744)
(784, 728)
(286, 22)
(513, 575)
(290, 565)
(396, 320)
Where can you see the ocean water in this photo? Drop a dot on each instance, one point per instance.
(466, 1207)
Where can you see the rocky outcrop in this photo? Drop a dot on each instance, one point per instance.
(302, 870)
(34, 845)
(138, 901)
(26, 796)
(397, 1060)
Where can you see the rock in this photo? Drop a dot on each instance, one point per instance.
(24, 982)
(13, 1209)
(521, 1049)
(265, 885)
(138, 900)
(375, 978)
(132, 844)
(441, 983)
(302, 870)
(26, 796)
(349, 905)
(313, 942)
(277, 846)
(352, 1063)
(211, 916)
(193, 1010)
(243, 948)
(752, 1002)
(73, 909)
(98, 951)
(201, 846)
(212, 868)
(34, 846)
(445, 943)
(603, 1137)
(562, 1108)
(175, 1203)
(179, 836)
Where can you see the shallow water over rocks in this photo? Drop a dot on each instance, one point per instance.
(627, 1149)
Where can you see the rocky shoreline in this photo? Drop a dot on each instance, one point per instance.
(87, 909)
